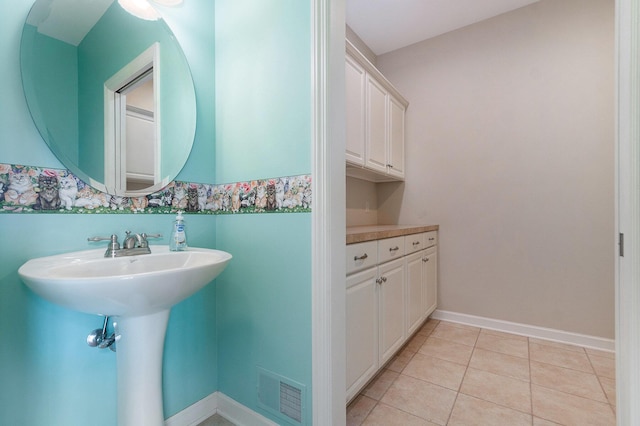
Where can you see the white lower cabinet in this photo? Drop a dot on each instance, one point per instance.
(362, 329)
(422, 288)
(430, 295)
(391, 298)
(415, 291)
(387, 302)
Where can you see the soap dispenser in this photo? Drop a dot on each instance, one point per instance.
(178, 240)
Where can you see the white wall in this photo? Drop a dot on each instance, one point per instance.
(510, 149)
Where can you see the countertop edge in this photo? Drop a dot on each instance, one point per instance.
(360, 234)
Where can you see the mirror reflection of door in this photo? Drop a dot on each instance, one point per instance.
(138, 147)
(132, 126)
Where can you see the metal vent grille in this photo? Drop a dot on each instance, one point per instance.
(291, 402)
(281, 397)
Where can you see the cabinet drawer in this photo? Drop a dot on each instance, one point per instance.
(414, 243)
(390, 248)
(431, 238)
(361, 256)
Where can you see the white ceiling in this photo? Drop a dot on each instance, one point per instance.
(67, 20)
(386, 25)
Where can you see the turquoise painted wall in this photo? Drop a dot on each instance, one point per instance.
(52, 68)
(49, 375)
(263, 128)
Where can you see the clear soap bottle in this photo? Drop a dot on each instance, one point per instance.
(178, 240)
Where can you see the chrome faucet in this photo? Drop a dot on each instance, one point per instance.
(133, 245)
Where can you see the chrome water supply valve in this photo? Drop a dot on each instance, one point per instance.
(101, 339)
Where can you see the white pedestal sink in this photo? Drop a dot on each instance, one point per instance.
(139, 291)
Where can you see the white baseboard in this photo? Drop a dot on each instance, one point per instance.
(527, 330)
(195, 413)
(239, 414)
(218, 403)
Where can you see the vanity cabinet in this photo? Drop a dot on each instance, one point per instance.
(375, 113)
(391, 289)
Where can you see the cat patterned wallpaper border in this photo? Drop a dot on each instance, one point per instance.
(31, 189)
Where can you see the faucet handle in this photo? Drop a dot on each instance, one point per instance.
(113, 237)
(151, 235)
(113, 243)
(144, 242)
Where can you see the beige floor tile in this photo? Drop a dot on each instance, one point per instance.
(604, 366)
(453, 333)
(504, 335)
(470, 411)
(502, 390)
(568, 409)
(567, 380)
(465, 326)
(420, 398)
(513, 347)
(436, 371)
(447, 350)
(383, 415)
(542, 422)
(359, 409)
(560, 357)
(609, 387)
(400, 361)
(556, 345)
(416, 341)
(380, 384)
(604, 354)
(499, 363)
(428, 327)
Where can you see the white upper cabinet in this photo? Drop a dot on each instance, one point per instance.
(375, 122)
(355, 101)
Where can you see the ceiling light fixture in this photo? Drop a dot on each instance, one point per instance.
(141, 9)
(169, 2)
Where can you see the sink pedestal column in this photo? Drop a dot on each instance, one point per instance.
(139, 350)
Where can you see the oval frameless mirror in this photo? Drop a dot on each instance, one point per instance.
(111, 94)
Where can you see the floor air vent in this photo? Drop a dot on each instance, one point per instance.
(281, 396)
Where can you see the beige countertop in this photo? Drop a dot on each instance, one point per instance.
(359, 234)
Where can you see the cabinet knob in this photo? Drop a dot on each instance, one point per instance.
(363, 257)
(390, 166)
(396, 248)
(425, 259)
(379, 280)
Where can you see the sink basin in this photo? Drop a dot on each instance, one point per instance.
(86, 281)
(139, 292)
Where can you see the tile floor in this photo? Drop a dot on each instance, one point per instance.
(451, 374)
(216, 420)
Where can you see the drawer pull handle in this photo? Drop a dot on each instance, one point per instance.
(431, 239)
(381, 280)
(396, 248)
(425, 259)
(363, 257)
(416, 243)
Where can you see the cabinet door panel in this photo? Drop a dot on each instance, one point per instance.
(361, 330)
(396, 138)
(414, 289)
(355, 111)
(431, 280)
(376, 150)
(391, 301)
